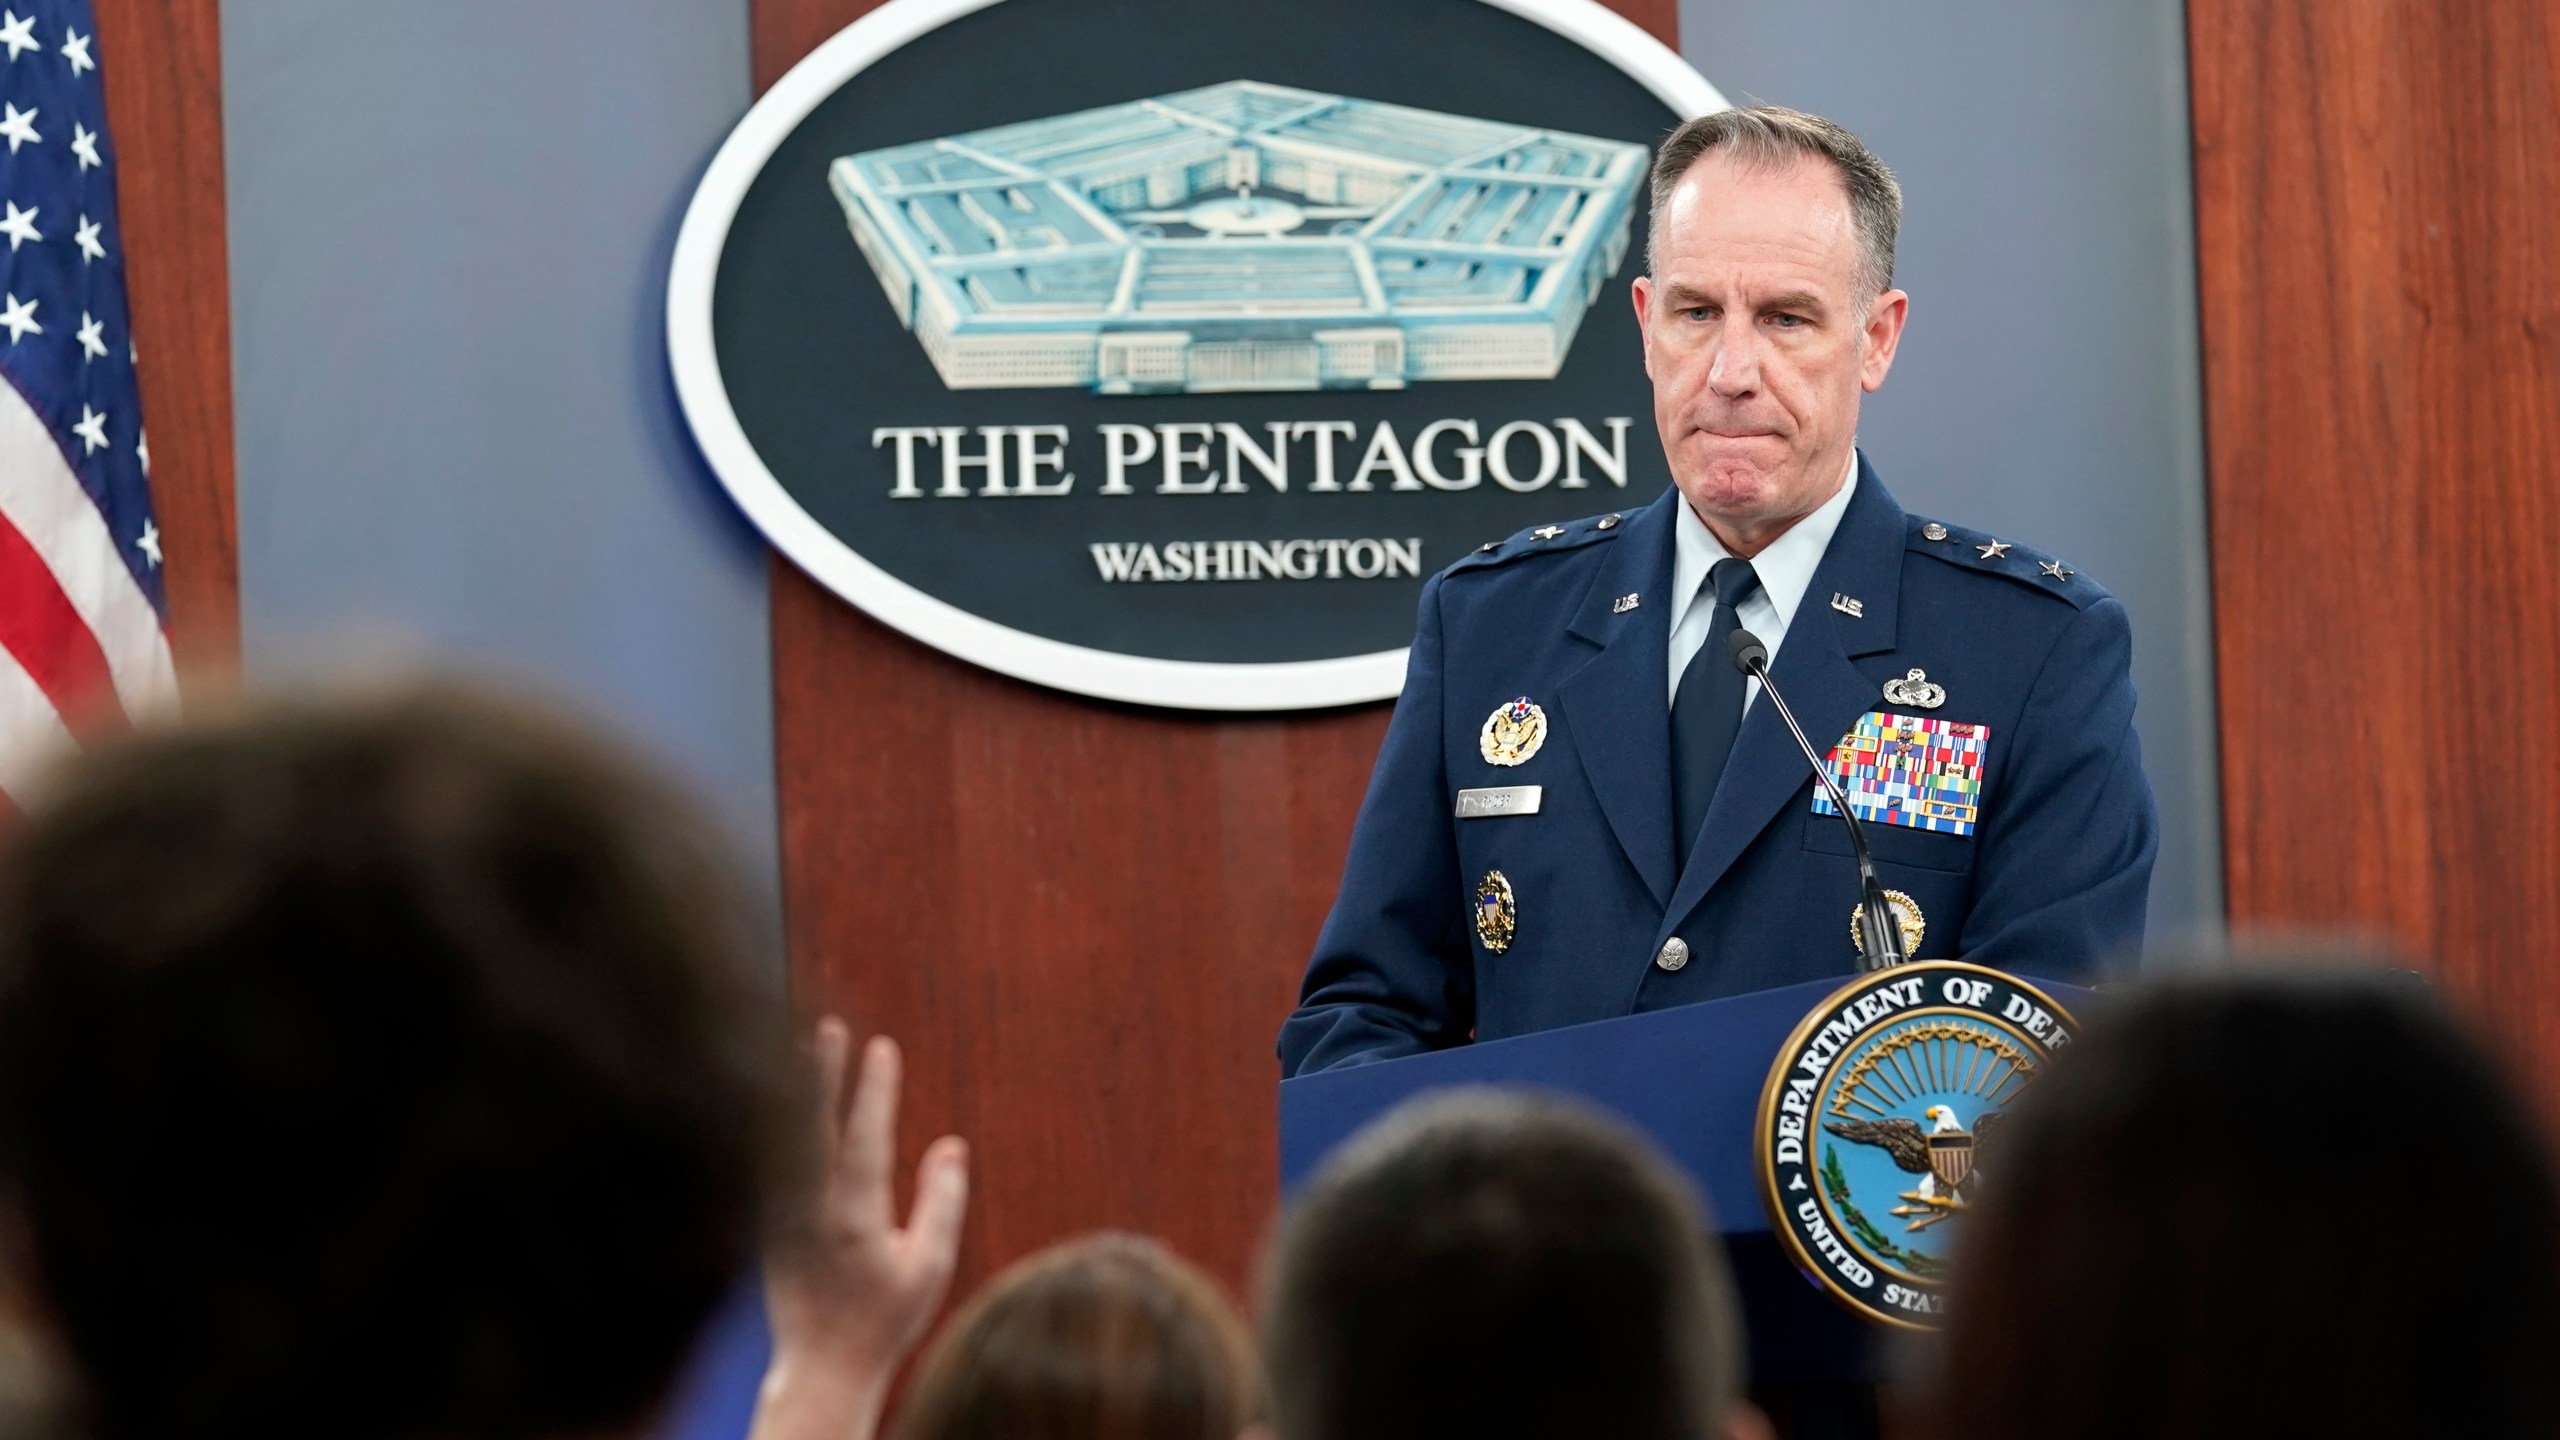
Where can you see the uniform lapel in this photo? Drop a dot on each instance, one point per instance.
(1618, 706)
(1814, 672)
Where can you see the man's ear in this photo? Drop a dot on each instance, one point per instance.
(1883, 336)
(1642, 293)
(1745, 1422)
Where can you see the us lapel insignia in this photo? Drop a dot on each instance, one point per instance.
(1916, 771)
(1497, 914)
(1849, 605)
(1917, 689)
(1513, 733)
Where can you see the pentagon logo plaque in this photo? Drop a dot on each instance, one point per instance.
(1164, 361)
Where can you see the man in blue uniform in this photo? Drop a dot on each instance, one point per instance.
(1581, 812)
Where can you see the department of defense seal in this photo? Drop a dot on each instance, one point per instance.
(1513, 733)
(1880, 1123)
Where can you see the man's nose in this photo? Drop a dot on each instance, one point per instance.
(1735, 370)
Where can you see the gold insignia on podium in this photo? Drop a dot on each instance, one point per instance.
(1497, 914)
(1513, 733)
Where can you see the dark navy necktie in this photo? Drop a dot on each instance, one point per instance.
(1706, 711)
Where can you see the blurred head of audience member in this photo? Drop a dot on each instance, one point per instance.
(379, 1067)
(1106, 1338)
(1496, 1265)
(2278, 1203)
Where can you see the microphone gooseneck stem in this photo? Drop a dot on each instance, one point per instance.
(1876, 924)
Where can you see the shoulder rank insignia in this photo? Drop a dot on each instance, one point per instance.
(1917, 689)
(1497, 914)
(1513, 733)
(1911, 770)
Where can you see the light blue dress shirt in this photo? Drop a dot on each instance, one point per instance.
(1785, 569)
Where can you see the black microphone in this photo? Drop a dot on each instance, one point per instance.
(1875, 917)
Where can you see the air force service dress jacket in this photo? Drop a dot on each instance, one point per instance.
(2051, 880)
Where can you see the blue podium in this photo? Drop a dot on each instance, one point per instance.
(1688, 1077)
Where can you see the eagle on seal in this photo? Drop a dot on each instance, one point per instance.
(1943, 1156)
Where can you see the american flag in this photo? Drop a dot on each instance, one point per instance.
(83, 620)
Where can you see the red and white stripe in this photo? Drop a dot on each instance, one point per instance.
(80, 646)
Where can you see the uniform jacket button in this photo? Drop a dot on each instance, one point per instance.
(1673, 955)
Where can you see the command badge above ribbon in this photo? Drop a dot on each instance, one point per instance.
(1881, 1122)
(1912, 770)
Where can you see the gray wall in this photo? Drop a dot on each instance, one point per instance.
(2047, 386)
(457, 442)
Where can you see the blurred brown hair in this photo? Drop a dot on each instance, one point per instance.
(1110, 1337)
(1500, 1264)
(380, 1065)
(2257, 1204)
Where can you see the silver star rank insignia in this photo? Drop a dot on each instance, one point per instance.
(2056, 570)
(1994, 550)
(1546, 532)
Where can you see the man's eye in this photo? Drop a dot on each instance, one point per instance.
(1786, 322)
(1700, 312)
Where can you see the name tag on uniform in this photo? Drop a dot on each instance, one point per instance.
(1500, 800)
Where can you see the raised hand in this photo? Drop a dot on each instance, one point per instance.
(849, 1292)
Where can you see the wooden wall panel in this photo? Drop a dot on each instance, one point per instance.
(1085, 921)
(2377, 239)
(162, 61)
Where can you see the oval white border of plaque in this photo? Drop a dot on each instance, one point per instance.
(1178, 684)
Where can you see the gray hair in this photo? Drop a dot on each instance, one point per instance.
(1773, 135)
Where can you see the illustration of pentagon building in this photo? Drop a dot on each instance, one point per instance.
(1243, 237)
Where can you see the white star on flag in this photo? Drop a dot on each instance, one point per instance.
(85, 235)
(142, 449)
(92, 431)
(19, 225)
(18, 34)
(149, 544)
(76, 50)
(84, 145)
(18, 317)
(19, 126)
(93, 336)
